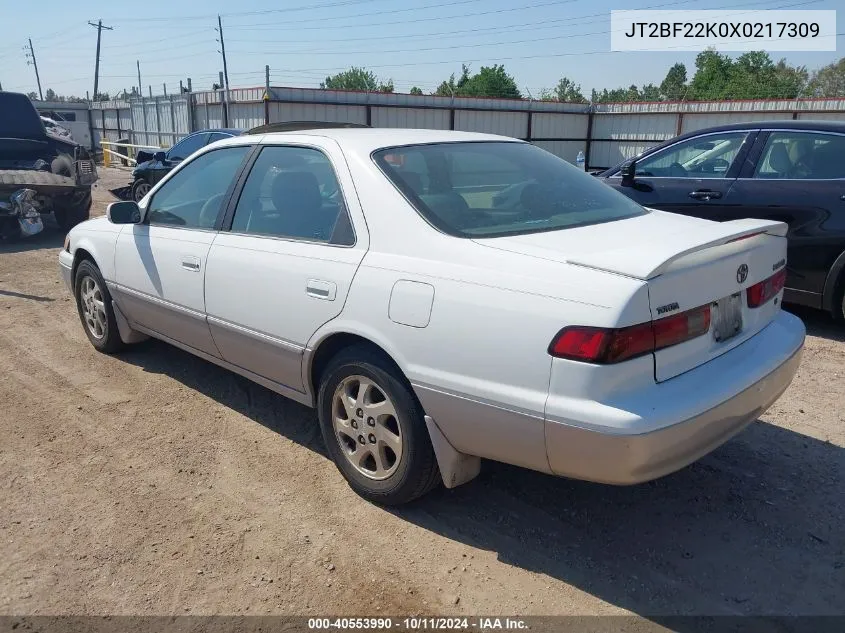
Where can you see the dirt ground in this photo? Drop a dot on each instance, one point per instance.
(156, 483)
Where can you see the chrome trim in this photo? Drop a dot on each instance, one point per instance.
(158, 301)
(300, 240)
(256, 334)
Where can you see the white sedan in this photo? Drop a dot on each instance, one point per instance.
(368, 273)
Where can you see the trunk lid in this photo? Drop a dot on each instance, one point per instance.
(686, 262)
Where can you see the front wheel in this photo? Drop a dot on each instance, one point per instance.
(374, 428)
(93, 302)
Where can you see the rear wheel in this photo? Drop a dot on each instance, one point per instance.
(839, 300)
(93, 302)
(374, 428)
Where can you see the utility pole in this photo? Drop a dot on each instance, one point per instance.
(99, 26)
(225, 72)
(31, 56)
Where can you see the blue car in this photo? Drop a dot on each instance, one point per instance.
(156, 166)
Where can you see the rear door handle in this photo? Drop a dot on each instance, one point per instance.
(189, 262)
(319, 289)
(705, 194)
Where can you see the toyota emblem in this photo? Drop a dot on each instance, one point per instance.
(742, 274)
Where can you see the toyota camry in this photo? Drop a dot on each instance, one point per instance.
(375, 275)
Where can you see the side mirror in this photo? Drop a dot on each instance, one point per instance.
(124, 213)
(160, 157)
(628, 173)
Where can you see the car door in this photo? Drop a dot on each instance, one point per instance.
(692, 176)
(286, 263)
(160, 264)
(798, 177)
(177, 154)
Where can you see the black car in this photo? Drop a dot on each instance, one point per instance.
(152, 168)
(789, 171)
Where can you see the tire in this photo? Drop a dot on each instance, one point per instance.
(839, 300)
(140, 188)
(412, 471)
(93, 303)
(74, 209)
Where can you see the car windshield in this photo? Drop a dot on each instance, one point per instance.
(493, 189)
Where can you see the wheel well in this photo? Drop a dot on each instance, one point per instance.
(334, 344)
(78, 257)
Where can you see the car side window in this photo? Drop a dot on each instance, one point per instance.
(293, 192)
(192, 197)
(798, 155)
(186, 147)
(709, 156)
(217, 136)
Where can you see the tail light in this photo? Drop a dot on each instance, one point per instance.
(604, 346)
(760, 293)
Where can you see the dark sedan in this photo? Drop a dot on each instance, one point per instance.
(147, 173)
(790, 171)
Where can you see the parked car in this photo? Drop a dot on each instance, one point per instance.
(789, 171)
(152, 167)
(58, 172)
(368, 274)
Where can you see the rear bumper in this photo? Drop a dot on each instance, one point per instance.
(754, 374)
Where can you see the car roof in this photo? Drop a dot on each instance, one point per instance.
(372, 139)
(224, 130)
(784, 124)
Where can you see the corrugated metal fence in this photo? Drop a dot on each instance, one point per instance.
(606, 133)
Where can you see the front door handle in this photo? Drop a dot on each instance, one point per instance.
(705, 194)
(191, 263)
(319, 289)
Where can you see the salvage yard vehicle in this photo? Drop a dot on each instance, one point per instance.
(58, 171)
(788, 171)
(368, 273)
(152, 167)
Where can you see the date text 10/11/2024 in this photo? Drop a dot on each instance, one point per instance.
(418, 624)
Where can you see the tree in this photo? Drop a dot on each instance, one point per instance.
(712, 76)
(32, 95)
(649, 92)
(490, 81)
(416, 91)
(357, 79)
(102, 96)
(674, 86)
(828, 81)
(568, 90)
(50, 95)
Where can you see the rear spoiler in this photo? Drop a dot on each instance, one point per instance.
(647, 260)
(297, 126)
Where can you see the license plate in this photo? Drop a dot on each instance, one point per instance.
(726, 317)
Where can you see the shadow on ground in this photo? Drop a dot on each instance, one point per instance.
(819, 323)
(754, 528)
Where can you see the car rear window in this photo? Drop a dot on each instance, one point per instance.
(493, 189)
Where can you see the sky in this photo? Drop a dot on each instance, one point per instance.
(414, 42)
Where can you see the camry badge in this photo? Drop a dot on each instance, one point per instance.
(742, 273)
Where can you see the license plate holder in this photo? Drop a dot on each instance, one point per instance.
(726, 317)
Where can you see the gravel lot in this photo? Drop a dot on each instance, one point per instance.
(156, 483)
